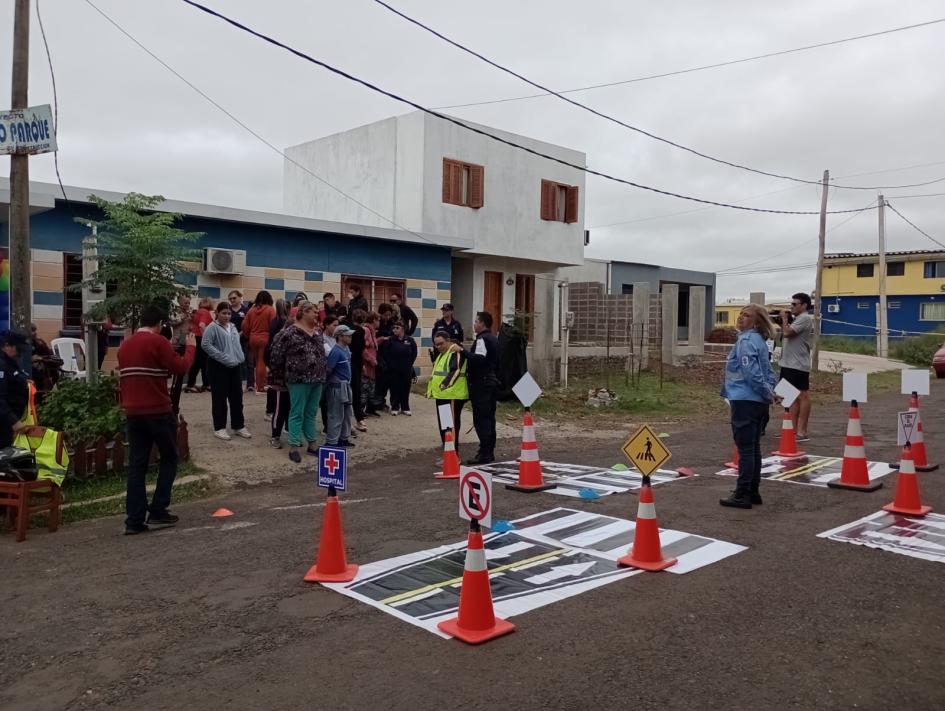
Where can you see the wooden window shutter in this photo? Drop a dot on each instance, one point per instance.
(476, 186)
(571, 206)
(447, 167)
(456, 183)
(549, 196)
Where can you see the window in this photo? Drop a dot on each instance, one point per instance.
(626, 289)
(934, 270)
(559, 203)
(721, 317)
(932, 310)
(463, 183)
(895, 268)
(72, 299)
(375, 291)
(864, 270)
(894, 305)
(862, 304)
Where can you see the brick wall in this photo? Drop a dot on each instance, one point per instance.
(597, 313)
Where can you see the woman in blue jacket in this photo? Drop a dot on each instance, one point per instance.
(749, 388)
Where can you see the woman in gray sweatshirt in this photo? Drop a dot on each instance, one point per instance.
(221, 342)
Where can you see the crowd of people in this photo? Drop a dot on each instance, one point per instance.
(320, 365)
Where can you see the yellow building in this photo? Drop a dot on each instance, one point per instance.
(726, 313)
(915, 293)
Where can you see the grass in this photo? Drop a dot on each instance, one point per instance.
(676, 399)
(83, 495)
(845, 344)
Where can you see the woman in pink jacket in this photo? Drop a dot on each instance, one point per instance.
(370, 363)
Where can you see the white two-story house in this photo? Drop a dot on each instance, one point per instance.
(522, 213)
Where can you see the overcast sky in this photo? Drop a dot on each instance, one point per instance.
(876, 104)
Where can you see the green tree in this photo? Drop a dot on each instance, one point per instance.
(141, 256)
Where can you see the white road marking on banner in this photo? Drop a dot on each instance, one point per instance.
(904, 540)
(561, 571)
(506, 551)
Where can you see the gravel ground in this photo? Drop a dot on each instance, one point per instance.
(214, 614)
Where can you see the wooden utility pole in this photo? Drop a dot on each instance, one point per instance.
(882, 324)
(21, 298)
(819, 279)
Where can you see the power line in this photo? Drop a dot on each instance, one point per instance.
(623, 124)
(913, 225)
(695, 69)
(925, 195)
(773, 270)
(482, 132)
(52, 76)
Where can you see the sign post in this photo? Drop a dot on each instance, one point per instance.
(333, 469)
(646, 452)
(475, 498)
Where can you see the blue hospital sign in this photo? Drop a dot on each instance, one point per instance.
(332, 468)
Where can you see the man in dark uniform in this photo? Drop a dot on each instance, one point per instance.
(14, 386)
(483, 359)
(449, 324)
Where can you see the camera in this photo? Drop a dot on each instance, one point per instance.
(775, 315)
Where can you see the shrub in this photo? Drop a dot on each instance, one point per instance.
(846, 344)
(84, 411)
(917, 350)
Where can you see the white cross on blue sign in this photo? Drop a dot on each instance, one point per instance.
(332, 468)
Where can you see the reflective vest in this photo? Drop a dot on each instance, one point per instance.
(52, 460)
(459, 390)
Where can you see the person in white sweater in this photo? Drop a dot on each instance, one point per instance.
(221, 342)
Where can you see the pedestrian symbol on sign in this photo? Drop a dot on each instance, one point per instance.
(646, 450)
(647, 454)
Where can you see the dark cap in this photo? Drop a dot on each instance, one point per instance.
(12, 337)
(446, 307)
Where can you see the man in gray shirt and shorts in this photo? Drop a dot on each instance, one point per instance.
(795, 359)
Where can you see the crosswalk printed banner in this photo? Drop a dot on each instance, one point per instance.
(919, 537)
(582, 481)
(811, 470)
(547, 557)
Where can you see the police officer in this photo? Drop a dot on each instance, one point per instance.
(449, 324)
(483, 360)
(448, 384)
(14, 386)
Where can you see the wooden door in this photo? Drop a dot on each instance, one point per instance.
(492, 297)
(525, 299)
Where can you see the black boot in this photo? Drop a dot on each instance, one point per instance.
(755, 498)
(737, 501)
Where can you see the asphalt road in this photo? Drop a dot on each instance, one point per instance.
(214, 613)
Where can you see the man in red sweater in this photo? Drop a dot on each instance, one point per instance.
(145, 361)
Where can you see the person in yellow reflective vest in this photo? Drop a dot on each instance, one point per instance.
(448, 383)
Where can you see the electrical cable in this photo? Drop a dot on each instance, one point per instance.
(694, 69)
(52, 75)
(623, 124)
(913, 225)
(474, 129)
(267, 143)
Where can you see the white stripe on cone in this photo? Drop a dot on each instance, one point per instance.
(854, 451)
(448, 446)
(529, 455)
(646, 510)
(475, 560)
(528, 433)
(854, 427)
(786, 424)
(906, 466)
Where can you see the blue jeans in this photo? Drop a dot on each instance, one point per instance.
(747, 419)
(145, 431)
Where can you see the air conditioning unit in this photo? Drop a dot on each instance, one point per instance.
(833, 308)
(224, 261)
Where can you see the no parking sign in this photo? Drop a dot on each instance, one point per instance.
(475, 496)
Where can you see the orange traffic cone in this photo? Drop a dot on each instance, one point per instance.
(918, 439)
(450, 458)
(221, 513)
(530, 478)
(646, 552)
(907, 500)
(854, 473)
(331, 565)
(476, 621)
(733, 462)
(787, 444)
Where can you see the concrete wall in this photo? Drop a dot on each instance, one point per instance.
(630, 272)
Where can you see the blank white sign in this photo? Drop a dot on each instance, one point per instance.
(854, 387)
(915, 381)
(445, 412)
(526, 390)
(786, 391)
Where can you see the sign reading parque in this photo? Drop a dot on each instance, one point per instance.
(27, 131)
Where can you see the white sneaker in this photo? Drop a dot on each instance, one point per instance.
(267, 417)
(394, 413)
(408, 413)
(222, 434)
(244, 433)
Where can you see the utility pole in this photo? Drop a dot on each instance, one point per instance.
(882, 349)
(21, 298)
(819, 279)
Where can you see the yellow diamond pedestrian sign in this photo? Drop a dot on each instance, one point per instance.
(646, 450)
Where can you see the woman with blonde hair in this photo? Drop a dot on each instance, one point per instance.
(749, 388)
